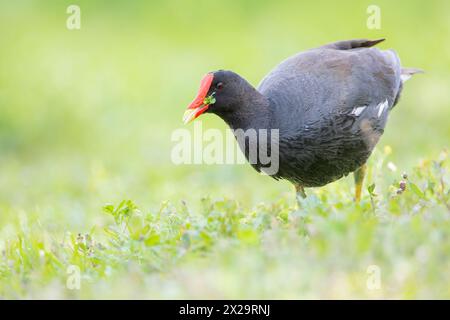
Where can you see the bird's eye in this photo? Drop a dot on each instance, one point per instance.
(219, 85)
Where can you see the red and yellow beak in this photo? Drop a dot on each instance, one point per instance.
(197, 107)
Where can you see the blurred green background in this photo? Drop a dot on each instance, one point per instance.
(86, 115)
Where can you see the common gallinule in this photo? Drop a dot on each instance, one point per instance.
(329, 104)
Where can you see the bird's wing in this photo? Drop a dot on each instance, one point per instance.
(344, 78)
(371, 89)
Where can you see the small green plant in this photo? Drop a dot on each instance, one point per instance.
(121, 213)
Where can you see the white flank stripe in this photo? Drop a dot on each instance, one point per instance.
(381, 107)
(358, 110)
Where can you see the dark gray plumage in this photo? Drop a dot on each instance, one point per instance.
(330, 105)
(324, 134)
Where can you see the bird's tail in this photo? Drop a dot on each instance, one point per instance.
(353, 44)
(408, 73)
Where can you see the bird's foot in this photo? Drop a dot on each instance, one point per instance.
(300, 195)
(300, 199)
(300, 212)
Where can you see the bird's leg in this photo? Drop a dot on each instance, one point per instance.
(300, 194)
(359, 178)
(301, 213)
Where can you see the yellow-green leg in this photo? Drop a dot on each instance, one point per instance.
(300, 194)
(359, 179)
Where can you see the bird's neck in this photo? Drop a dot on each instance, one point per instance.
(253, 112)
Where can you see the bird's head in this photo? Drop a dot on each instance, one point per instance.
(220, 93)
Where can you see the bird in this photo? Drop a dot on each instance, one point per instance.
(329, 106)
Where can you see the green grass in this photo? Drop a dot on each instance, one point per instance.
(86, 118)
(223, 250)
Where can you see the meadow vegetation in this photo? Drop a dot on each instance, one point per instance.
(87, 184)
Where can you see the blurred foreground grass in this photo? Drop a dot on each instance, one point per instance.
(330, 248)
(86, 118)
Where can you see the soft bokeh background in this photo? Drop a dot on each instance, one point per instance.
(86, 115)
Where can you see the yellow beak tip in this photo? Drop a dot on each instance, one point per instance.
(189, 115)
